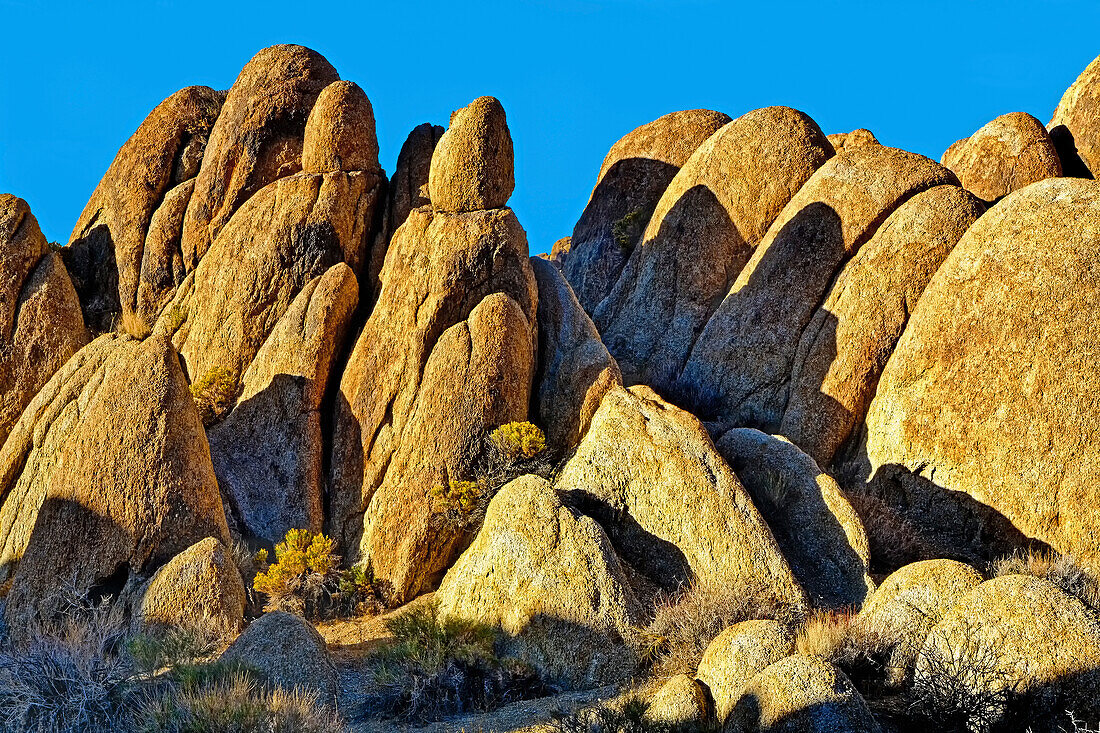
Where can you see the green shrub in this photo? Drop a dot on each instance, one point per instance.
(519, 440)
(214, 394)
(434, 667)
(627, 230)
(305, 579)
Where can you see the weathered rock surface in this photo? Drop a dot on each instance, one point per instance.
(1074, 127)
(680, 701)
(197, 589)
(286, 235)
(124, 490)
(268, 453)
(472, 164)
(1019, 634)
(842, 141)
(560, 250)
(163, 153)
(743, 358)
(339, 134)
(985, 420)
(634, 175)
(737, 655)
(162, 268)
(1012, 151)
(650, 474)
(910, 602)
(703, 230)
(258, 138)
(574, 368)
(845, 347)
(40, 317)
(408, 187)
(817, 530)
(288, 652)
(802, 694)
(549, 578)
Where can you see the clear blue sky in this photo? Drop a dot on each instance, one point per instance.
(573, 75)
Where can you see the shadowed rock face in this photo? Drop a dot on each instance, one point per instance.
(40, 316)
(634, 175)
(741, 363)
(702, 232)
(1074, 126)
(1008, 153)
(128, 235)
(988, 398)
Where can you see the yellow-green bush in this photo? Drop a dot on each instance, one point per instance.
(519, 440)
(214, 393)
(174, 317)
(302, 551)
(456, 497)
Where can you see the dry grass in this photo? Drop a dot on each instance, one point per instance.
(685, 623)
(894, 541)
(134, 325)
(1061, 570)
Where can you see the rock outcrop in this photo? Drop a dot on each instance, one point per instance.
(549, 578)
(736, 656)
(574, 369)
(472, 166)
(819, 533)
(118, 483)
(136, 207)
(287, 652)
(1074, 127)
(447, 354)
(1017, 640)
(634, 175)
(742, 360)
(845, 347)
(703, 230)
(40, 317)
(984, 423)
(675, 511)
(681, 701)
(842, 141)
(199, 589)
(1011, 152)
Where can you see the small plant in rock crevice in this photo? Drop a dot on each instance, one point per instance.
(628, 229)
(214, 394)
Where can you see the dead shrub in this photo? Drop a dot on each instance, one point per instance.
(1061, 570)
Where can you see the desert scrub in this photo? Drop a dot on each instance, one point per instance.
(134, 325)
(519, 440)
(305, 579)
(174, 318)
(1061, 570)
(457, 499)
(628, 229)
(685, 623)
(435, 667)
(865, 656)
(214, 394)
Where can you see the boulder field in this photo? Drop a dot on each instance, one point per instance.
(763, 354)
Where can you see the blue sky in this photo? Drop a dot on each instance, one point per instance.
(574, 75)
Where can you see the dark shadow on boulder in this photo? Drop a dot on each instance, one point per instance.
(91, 263)
(1072, 164)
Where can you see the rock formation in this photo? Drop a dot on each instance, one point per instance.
(1008, 153)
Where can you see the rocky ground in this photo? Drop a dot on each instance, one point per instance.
(796, 432)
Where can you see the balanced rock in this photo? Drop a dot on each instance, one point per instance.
(163, 153)
(1010, 152)
(287, 652)
(817, 530)
(258, 138)
(737, 655)
(1020, 637)
(40, 317)
(845, 347)
(198, 589)
(703, 230)
(472, 164)
(634, 175)
(339, 134)
(130, 488)
(802, 694)
(446, 356)
(842, 141)
(910, 602)
(574, 369)
(743, 358)
(1074, 127)
(549, 578)
(650, 474)
(268, 453)
(984, 425)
